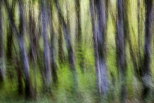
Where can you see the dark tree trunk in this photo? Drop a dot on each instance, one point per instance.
(53, 59)
(67, 36)
(61, 53)
(18, 67)
(10, 36)
(9, 53)
(79, 35)
(1, 45)
(121, 47)
(146, 69)
(52, 47)
(99, 23)
(33, 35)
(140, 32)
(78, 21)
(23, 53)
(34, 38)
(9, 44)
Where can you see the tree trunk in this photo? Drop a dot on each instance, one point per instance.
(23, 53)
(18, 67)
(10, 36)
(99, 23)
(79, 35)
(52, 47)
(47, 57)
(146, 69)
(34, 38)
(33, 35)
(1, 45)
(67, 36)
(121, 47)
(61, 53)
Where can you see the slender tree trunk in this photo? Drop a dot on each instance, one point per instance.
(121, 47)
(33, 35)
(10, 36)
(79, 35)
(23, 53)
(99, 23)
(47, 55)
(52, 46)
(140, 32)
(1, 45)
(9, 53)
(67, 36)
(61, 53)
(53, 59)
(20, 77)
(33, 51)
(9, 44)
(146, 69)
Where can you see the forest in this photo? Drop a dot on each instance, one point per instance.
(76, 51)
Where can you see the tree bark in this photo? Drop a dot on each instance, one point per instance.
(121, 47)
(10, 36)
(23, 53)
(47, 55)
(146, 69)
(99, 24)
(52, 46)
(61, 53)
(67, 36)
(1, 45)
(79, 35)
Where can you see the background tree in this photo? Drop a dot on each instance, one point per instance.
(79, 35)
(1, 44)
(47, 57)
(52, 45)
(121, 46)
(23, 53)
(146, 69)
(67, 36)
(98, 9)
